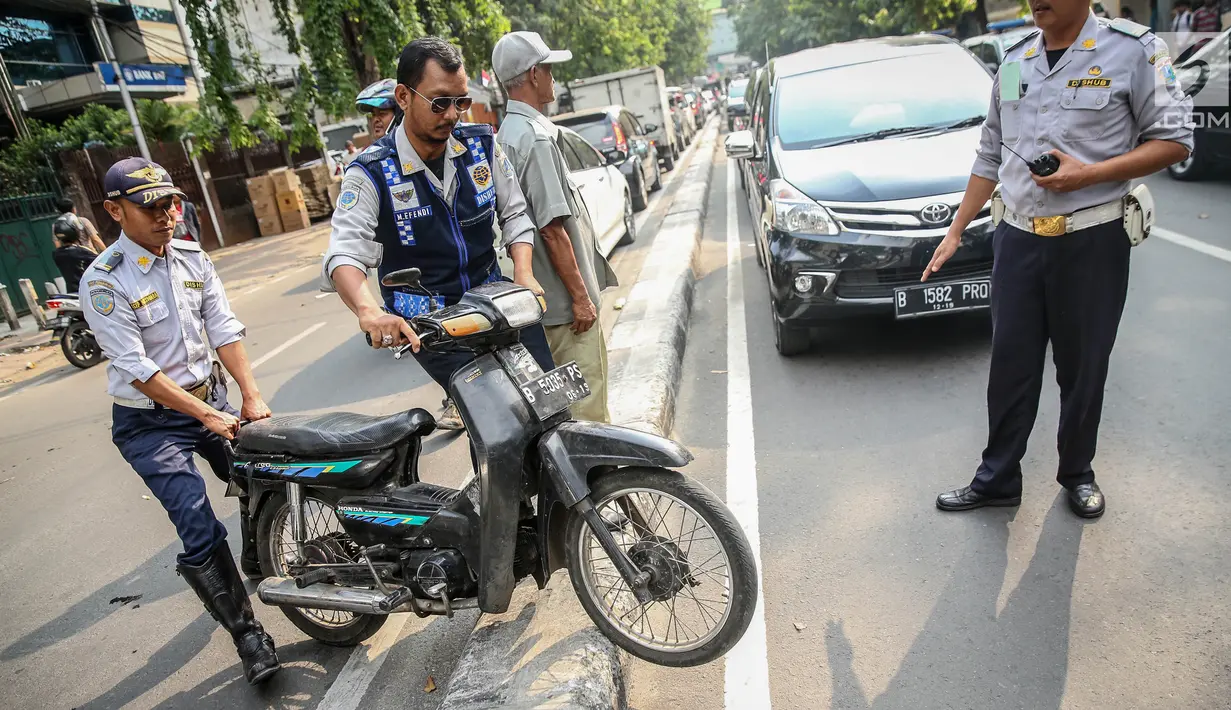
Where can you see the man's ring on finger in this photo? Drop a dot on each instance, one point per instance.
(386, 339)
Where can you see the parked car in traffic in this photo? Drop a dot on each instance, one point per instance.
(643, 92)
(683, 109)
(1205, 76)
(693, 97)
(990, 48)
(616, 133)
(735, 105)
(603, 189)
(854, 167)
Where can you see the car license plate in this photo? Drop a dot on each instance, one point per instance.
(928, 299)
(553, 392)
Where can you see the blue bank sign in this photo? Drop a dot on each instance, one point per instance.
(147, 77)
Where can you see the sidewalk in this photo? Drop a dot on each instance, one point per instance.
(27, 353)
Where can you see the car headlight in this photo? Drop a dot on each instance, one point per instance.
(796, 213)
(520, 308)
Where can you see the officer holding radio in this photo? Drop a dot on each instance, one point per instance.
(1078, 110)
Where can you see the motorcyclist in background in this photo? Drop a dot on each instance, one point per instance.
(377, 101)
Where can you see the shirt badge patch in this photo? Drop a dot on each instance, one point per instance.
(145, 300)
(195, 285)
(1031, 52)
(1165, 71)
(348, 199)
(1095, 83)
(143, 261)
(1096, 70)
(100, 282)
(481, 176)
(1163, 52)
(405, 197)
(103, 300)
(1088, 44)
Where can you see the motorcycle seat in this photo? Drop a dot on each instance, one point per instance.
(332, 433)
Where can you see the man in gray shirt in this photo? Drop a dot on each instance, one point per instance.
(569, 267)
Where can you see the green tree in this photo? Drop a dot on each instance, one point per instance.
(688, 42)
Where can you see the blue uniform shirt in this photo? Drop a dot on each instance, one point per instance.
(1113, 88)
(148, 313)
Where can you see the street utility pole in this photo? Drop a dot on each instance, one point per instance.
(104, 43)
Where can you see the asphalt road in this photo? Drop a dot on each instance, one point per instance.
(93, 613)
(874, 599)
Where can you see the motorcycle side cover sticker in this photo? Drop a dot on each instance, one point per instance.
(300, 470)
(381, 517)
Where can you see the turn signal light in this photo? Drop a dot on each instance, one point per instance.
(466, 325)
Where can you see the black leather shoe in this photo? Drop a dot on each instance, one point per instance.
(1087, 500)
(966, 499)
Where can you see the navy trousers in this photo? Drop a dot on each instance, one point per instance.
(1069, 291)
(159, 444)
(441, 366)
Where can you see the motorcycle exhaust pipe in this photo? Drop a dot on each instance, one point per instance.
(283, 591)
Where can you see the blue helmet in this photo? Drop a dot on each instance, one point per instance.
(378, 95)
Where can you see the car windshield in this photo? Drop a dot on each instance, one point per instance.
(1008, 38)
(891, 95)
(595, 129)
(737, 89)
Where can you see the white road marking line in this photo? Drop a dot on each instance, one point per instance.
(1194, 244)
(747, 665)
(278, 350)
(365, 661)
(249, 291)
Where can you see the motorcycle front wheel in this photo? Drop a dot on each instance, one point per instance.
(326, 543)
(703, 578)
(80, 347)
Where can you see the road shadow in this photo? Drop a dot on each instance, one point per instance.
(350, 373)
(154, 580)
(970, 656)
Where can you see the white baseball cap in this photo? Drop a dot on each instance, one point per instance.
(518, 52)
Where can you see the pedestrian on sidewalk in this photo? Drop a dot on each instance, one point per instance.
(1207, 18)
(568, 265)
(1062, 248)
(422, 197)
(150, 299)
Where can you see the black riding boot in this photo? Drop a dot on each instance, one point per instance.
(249, 563)
(219, 586)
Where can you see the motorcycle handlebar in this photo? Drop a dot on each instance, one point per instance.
(428, 336)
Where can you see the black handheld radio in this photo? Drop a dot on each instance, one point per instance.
(1042, 166)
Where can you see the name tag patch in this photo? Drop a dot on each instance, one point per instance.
(197, 285)
(1095, 83)
(144, 300)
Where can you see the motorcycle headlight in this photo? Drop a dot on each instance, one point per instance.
(520, 308)
(796, 213)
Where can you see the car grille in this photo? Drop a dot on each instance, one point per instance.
(905, 218)
(879, 283)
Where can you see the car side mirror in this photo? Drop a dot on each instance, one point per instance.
(408, 278)
(740, 144)
(616, 156)
(650, 128)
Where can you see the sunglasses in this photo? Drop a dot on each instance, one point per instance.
(441, 104)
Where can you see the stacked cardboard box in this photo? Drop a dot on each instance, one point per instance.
(265, 205)
(291, 206)
(316, 180)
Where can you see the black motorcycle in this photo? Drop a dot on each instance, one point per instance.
(69, 326)
(347, 533)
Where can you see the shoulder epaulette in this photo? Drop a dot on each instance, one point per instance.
(113, 260)
(373, 153)
(1128, 27)
(185, 244)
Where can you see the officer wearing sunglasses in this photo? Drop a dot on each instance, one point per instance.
(426, 195)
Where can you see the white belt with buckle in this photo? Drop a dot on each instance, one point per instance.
(1065, 224)
(201, 392)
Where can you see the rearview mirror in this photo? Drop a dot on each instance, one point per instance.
(616, 156)
(650, 128)
(739, 145)
(408, 278)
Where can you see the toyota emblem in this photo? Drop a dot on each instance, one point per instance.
(936, 213)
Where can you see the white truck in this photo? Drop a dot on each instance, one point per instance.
(642, 91)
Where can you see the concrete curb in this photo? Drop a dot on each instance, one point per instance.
(523, 659)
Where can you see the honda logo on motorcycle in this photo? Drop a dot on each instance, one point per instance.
(936, 213)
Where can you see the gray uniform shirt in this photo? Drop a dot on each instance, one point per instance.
(529, 140)
(148, 313)
(353, 239)
(1106, 94)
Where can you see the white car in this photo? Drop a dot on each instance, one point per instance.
(604, 190)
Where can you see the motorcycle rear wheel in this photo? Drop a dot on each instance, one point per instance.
(698, 558)
(273, 537)
(80, 347)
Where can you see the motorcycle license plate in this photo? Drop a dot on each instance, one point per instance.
(553, 392)
(928, 299)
